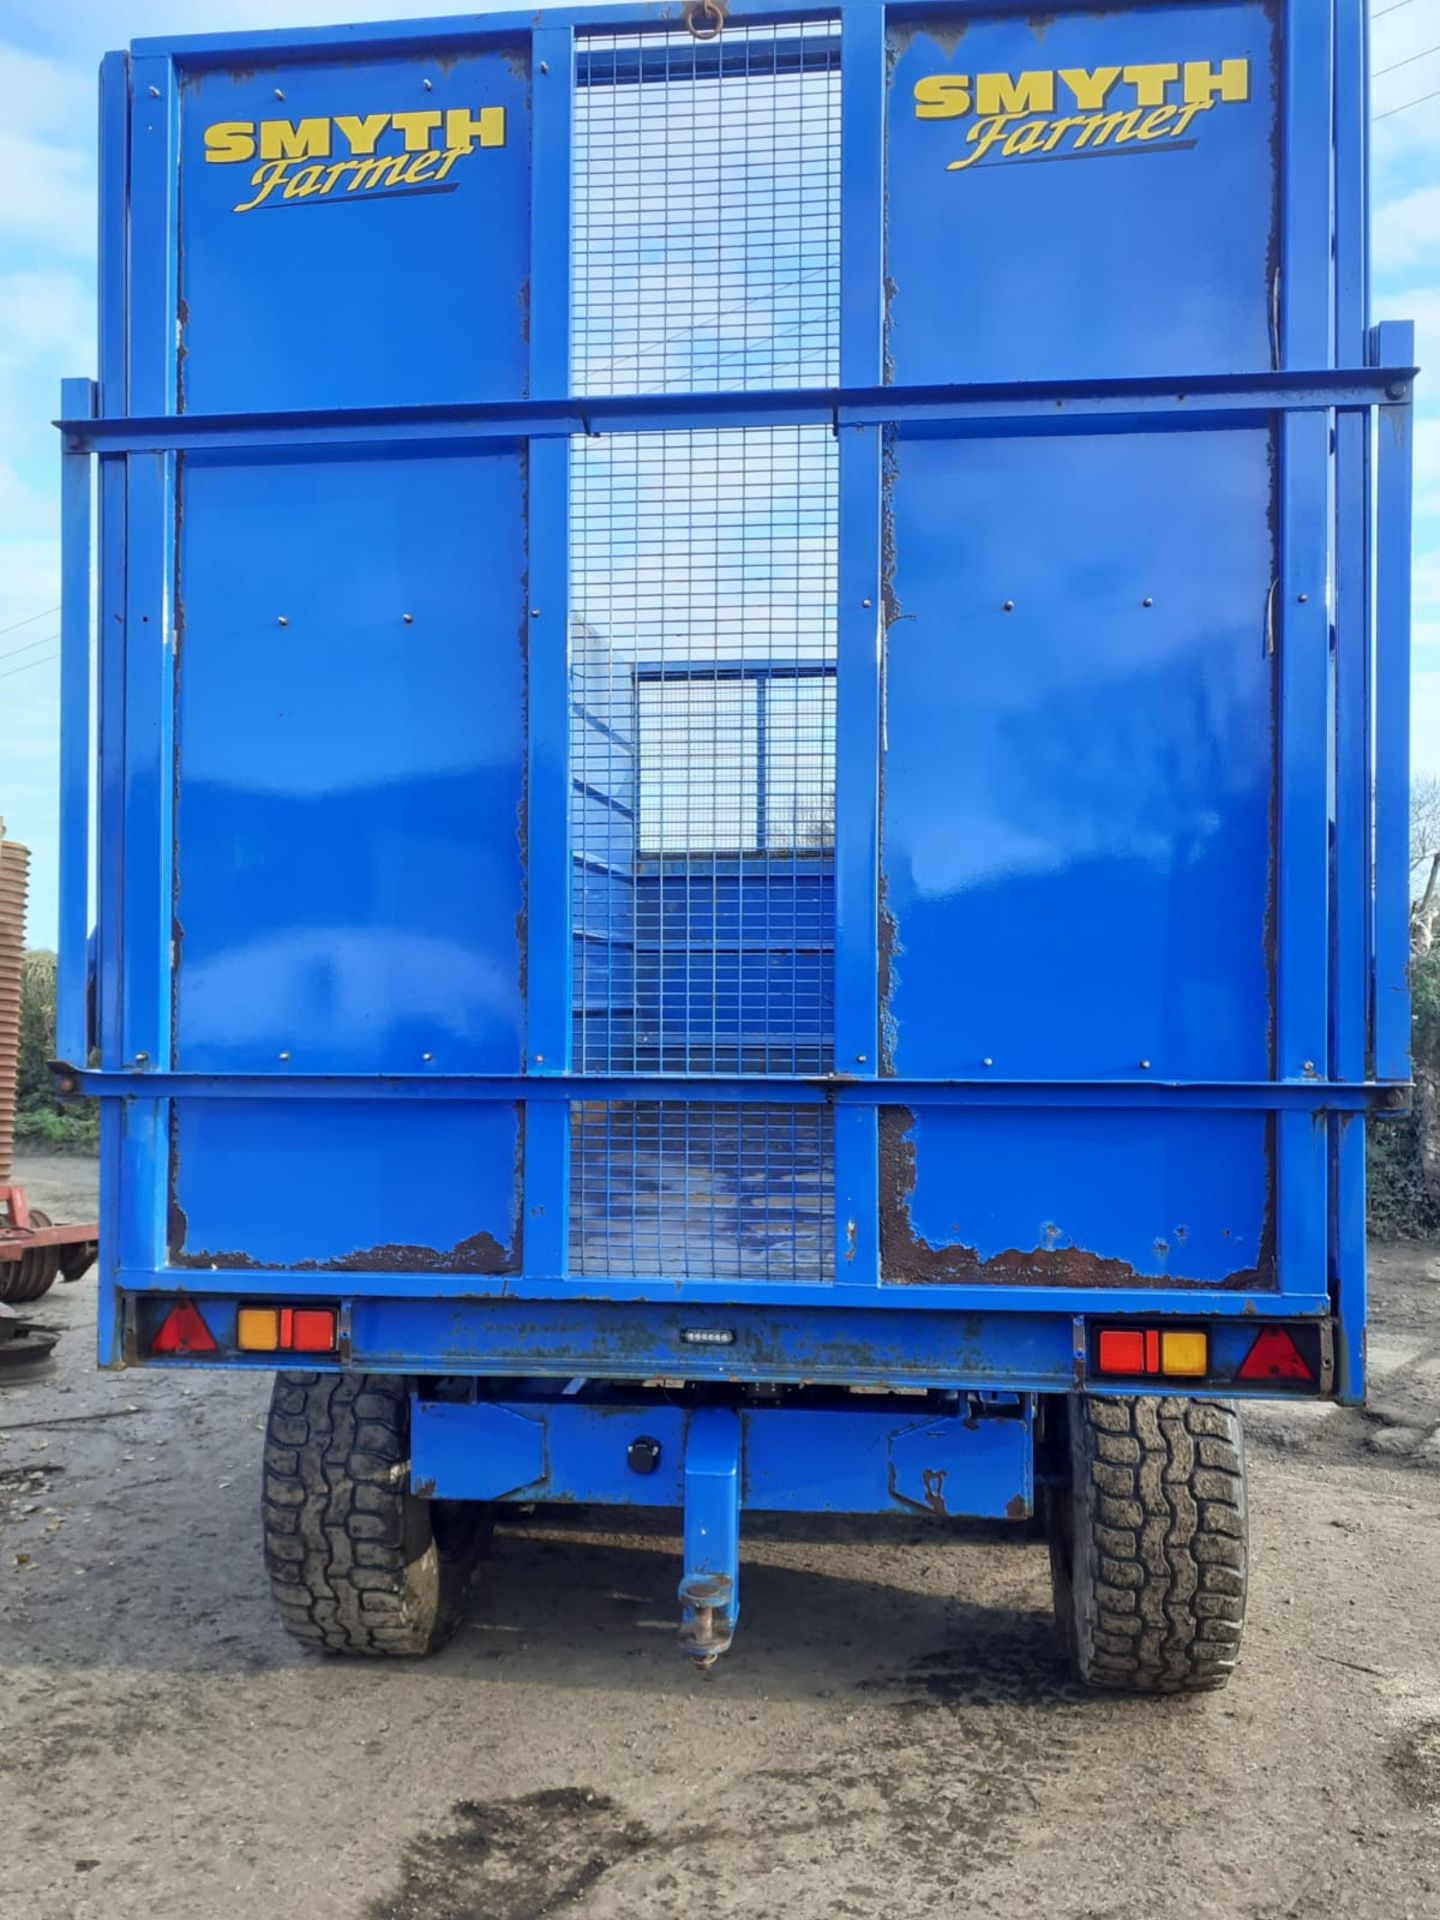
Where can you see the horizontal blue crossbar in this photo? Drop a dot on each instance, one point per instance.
(1015, 1339)
(765, 1089)
(906, 1454)
(1132, 404)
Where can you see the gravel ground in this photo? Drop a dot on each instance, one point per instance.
(892, 1735)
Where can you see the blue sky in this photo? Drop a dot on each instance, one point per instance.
(49, 50)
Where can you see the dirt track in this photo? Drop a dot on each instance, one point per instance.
(892, 1735)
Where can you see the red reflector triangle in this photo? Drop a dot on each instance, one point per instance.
(183, 1331)
(1274, 1356)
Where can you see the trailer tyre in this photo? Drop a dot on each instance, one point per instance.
(358, 1563)
(1148, 1543)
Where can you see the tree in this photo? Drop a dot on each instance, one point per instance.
(1404, 1155)
(1424, 864)
(1425, 981)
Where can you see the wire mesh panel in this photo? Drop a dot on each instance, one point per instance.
(703, 572)
(699, 1191)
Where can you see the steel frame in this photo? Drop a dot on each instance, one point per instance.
(1342, 1010)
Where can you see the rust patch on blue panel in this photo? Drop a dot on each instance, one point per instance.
(479, 1253)
(907, 1259)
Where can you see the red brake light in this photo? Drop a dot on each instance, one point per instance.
(1274, 1356)
(183, 1330)
(312, 1330)
(1120, 1350)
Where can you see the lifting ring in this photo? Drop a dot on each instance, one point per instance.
(697, 10)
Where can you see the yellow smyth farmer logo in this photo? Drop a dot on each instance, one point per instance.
(1072, 112)
(362, 155)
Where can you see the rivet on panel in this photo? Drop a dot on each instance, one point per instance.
(539, 1059)
(279, 95)
(285, 1056)
(141, 1059)
(154, 93)
(534, 613)
(427, 86)
(408, 618)
(865, 603)
(1308, 1067)
(427, 1056)
(1009, 606)
(860, 1059)
(987, 1061)
(544, 66)
(1147, 601)
(281, 620)
(1302, 598)
(1144, 1066)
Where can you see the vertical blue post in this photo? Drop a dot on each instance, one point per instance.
(1350, 868)
(114, 134)
(150, 627)
(1393, 345)
(710, 1583)
(859, 640)
(114, 137)
(72, 1039)
(1302, 1022)
(548, 1019)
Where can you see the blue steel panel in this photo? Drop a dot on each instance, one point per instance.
(313, 276)
(1109, 224)
(1106, 1199)
(1078, 769)
(351, 765)
(855, 1459)
(418, 1189)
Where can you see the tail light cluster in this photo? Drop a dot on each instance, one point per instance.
(1274, 1355)
(258, 1329)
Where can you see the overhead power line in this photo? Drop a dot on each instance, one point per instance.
(1408, 61)
(13, 653)
(43, 661)
(1405, 105)
(29, 620)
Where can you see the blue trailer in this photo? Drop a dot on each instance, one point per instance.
(748, 843)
